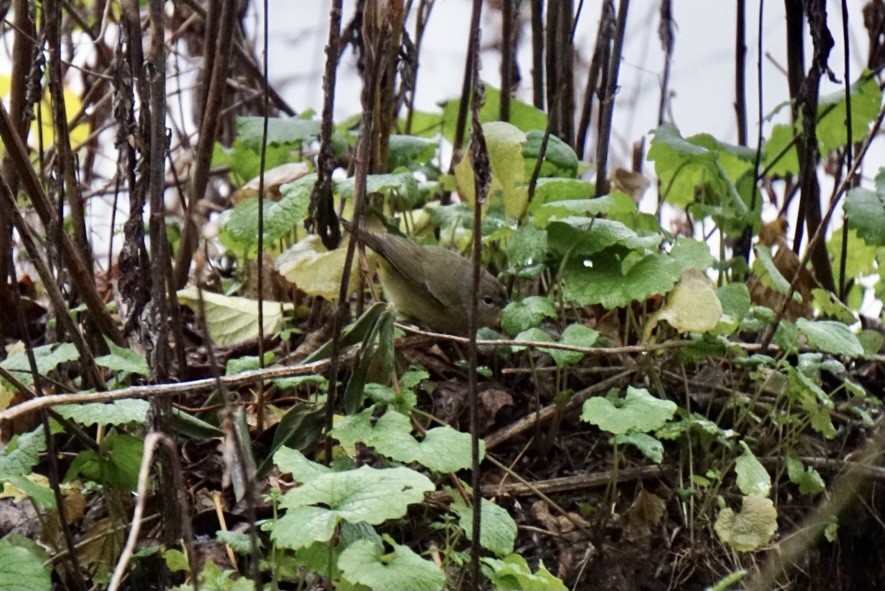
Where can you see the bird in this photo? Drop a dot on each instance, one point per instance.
(432, 285)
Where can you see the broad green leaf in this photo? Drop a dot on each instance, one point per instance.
(528, 251)
(497, 528)
(616, 206)
(366, 563)
(526, 314)
(866, 97)
(576, 335)
(831, 337)
(608, 280)
(124, 360)
(48, 357)
(116, 464)
(522, 115)
(780, 155)
(553, 189)
(689, 171)
(735, 299)
(239, 226)
(364, 495)
(292, 132)
(21, 454)
(650, 447)
(240, 542)
(409, 151)
(807, 479)
(752, 477)
(751, 528)
(513, 574)
(401, 185)
(118, 412)
(866, 211)
(560, 159)
(294, 462)
(231, 320)
(639, 412)
(442, 449)
(583, 236)
(862, 254)
(21, 567)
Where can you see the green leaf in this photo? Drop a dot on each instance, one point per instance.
(554, 189)
(831, 337)
(528, 251)
(362, 495)
(118, 412)
(862, 254)
(779, 159)
(497, 528)
(691, 169)
(560, 160)
(239, 226)
(866, 211)
(48, 358)
(612, 282)
(21, 566)
(751, 528)
(831, 129)
(752, 477)
(522, 115)
(294, 462)
(399, 184)
(241, 542)
(442, 449)
(735, 298)
(21, 454)
(650, 447)
(807, 479)
(639, 412)
(615, 206)
(365, 562)
(231, 320)
(409, 151)
(528, 313)
(115, 465)
(291, 132)
(576, 335)
(513, 574)
(124, 360)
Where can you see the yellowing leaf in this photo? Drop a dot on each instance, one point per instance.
(73, 105)
(231, 320)
(692, 306)
(316, 270)
(751, 528)
(504, 142)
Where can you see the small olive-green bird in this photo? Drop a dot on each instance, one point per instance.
(433, 285)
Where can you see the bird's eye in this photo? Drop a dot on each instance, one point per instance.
(488, 300)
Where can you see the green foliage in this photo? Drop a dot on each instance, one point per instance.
(441, 450)
(866, 211)
(115, 465)
(512, 573)
(21, 565)
(124, 360)
(497, 529)
(118, 412)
